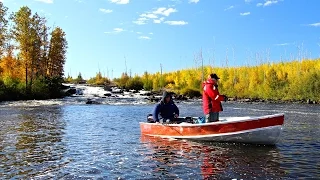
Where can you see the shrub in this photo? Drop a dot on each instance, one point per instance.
(190, 92)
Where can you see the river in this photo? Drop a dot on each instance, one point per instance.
(68, 139)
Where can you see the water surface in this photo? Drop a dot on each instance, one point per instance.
(79, 141)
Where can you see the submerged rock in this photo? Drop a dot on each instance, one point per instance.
(89, 101)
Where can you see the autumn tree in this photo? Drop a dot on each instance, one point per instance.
(10, 65)
(24, 56)
(147, 81)
(134, 83)
(57, 52)
(40, 45)
(99, 80)
(122, 81)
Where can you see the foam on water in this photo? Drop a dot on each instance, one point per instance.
(85, 93)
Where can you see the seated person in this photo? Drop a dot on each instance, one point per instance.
(165, 108)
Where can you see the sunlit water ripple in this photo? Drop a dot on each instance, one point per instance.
(79, 141)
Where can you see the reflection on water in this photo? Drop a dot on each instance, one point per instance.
(32, 143)
(104, 142)
(170, 158)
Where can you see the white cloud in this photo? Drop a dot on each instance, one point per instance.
(140, 21)
(46, 1)
(268, 3)
(282, 44)
(151, 33)
(194, 1)
(176, 23)
(115, 31)
(105, 10)
(155, 15)
(149, 15)
(228, 8)
(245, 14)
(118, 30)
(139, 32)
(247, 1)
(120, 1)
(164, 11)
(315, 24)
(158, 21)
(144, 37)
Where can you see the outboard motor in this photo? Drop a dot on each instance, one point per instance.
(150, 118)
(188, 119)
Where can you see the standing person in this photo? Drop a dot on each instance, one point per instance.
(166, 108)
(212, 99)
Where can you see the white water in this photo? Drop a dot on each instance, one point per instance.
(85, 93)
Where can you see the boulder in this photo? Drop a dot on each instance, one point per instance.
(89, 101)
(70, 91)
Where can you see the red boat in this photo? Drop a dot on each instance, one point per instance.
(257, 130)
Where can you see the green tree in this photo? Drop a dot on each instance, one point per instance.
(79, 79)
(22, 34)
(3, 28)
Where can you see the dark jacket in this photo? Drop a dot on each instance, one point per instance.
(165, 110)
(211, 97)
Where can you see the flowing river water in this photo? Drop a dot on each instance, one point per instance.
(68, 139)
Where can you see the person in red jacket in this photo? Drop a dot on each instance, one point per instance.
(212, 99)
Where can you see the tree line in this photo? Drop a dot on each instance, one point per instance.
(285, 81)
(32, 56)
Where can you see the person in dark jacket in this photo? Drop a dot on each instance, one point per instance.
(212, 99)
(166, 108)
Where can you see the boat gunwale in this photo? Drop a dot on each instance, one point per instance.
(217, 135)
(216, 123)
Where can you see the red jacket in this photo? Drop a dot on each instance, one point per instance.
(211, 97)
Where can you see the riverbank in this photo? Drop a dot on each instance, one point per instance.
(96, 94)
(39, 93)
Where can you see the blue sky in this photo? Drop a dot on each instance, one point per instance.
(104, 34)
